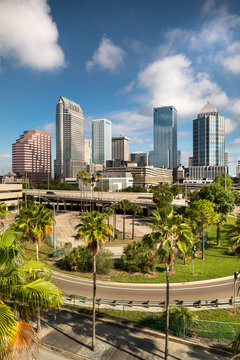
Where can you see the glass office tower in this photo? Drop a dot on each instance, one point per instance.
(101, 141)
(209, 138)
(164, 153)
(69, 139)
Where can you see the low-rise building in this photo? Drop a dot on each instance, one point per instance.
(206, 172)
(145, 175)
(10, 194)
(115, 181)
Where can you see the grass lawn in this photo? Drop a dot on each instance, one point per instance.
(45, 250)
(218, 263)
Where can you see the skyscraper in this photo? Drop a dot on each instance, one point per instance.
(208, 137)
(208, 144)
(31, 155)
(120, 148)
(164, 152)
(69, 139)
(101, 141)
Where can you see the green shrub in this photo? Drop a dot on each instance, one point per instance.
(81, 260)
(138, 257)
(179, 318)
(104, 261)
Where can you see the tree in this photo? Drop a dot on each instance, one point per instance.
(163, 196)
(95, 231)
(3, 213)
(108, 211)
(135, 210)
(165, 227)
(124, 205)
(176, 190)
(223, 202)
(27, 286)
(234, 236)
(34, 222)
(224, 180)
(202, 214)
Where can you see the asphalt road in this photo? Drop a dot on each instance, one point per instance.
(194, 291)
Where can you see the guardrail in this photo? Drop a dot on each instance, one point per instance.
(77, 300)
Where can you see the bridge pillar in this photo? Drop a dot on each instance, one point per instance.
(71, 205)
(58, 204)
(65, 206)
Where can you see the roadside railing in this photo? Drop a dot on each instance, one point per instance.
(149, 314)
(82, 300)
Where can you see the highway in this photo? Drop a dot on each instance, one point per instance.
(194, 291)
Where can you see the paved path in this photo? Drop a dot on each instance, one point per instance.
(72, 333)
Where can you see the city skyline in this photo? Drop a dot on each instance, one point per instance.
(119, 73)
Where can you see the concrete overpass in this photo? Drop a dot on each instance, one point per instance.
(93, 199)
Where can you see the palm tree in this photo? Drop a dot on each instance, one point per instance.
(83, 177)
(115, 207)
(26, 285)
(234, 236)
(165, 226)
(108, 211)
(94, 230)
(34, 222)
(135, 210)
(124, 205)
(3, 213)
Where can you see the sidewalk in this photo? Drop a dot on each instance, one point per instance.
(70, 333)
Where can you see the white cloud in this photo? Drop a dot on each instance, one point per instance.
(107, 56)
(235, 142)
(230, 126)
(50, 128)
(184, 134)
(29, 35)
(130, 123)
(172, 81)
(5, 156)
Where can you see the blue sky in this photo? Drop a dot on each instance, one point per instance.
(119, 59)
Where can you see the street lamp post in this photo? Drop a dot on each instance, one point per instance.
(236, 276)
(54, 233)
(193, 257)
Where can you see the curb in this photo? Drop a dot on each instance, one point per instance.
(145, 331)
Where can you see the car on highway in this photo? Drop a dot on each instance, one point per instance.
(50, 193)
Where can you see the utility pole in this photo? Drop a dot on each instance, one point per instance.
(236, 275)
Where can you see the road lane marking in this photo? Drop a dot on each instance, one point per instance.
(137, 289)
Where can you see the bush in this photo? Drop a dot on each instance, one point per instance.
(139, 257)
(104, 261)
(81, 260)
(179, 318)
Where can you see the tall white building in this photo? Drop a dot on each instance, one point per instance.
(101, 141)
(88, 151)
(69, 139)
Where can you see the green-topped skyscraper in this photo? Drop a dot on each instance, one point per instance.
(69, 139)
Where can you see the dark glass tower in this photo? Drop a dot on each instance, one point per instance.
(209, 138)
(165, 138)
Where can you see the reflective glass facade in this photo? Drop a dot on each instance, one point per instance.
(69, 139)
(209, 140)
(165, 138)
(101, 141)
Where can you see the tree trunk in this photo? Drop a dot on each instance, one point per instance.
(124, 215)
(109, 237)
(167, 312)
(38, 320)
(94, 304)
(133, 227)
(203, 245)
(37, 246)
(218, 234)
(114, 225)
(184, 260)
